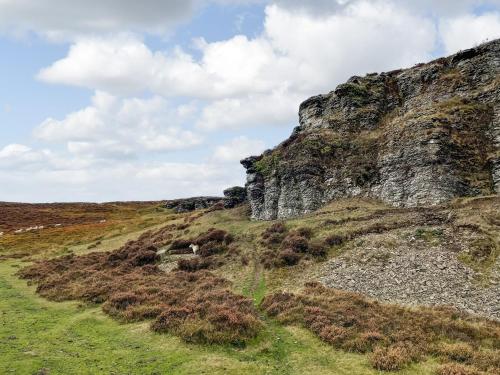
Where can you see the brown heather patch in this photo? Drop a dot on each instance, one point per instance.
(196, 305)
(71, 225)
(196, 264)
(395, 336)
(457, 369)
(287, 248)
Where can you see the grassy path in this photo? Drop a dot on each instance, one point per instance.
(67, 338)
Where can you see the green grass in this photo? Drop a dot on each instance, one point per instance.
(69, 338)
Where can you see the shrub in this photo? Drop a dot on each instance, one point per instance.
(459, 352)
(144, 257)
(216, 207)
(296, 243)
(268, 259)
(122, 300)
(304, 232)
(289, 257)
(274, 228)
(211, 248)
(194, 305)
(180, 244)
(228, 239)
(170, 318)
(456, 369)
(244, 260)
(334, 240)
(317, 249)
(365, 342)
(195, 264)
(273, 240)
(333, 335)
(395, 335)
(390, 359)
(487, 359)
(212, 235)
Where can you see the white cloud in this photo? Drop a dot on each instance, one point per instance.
(62, 19)
(259, 80)
(305, 48)
(124, 65)
(428, 7)
(13, 150)
(237, 149)
(111, 182)
(468, 30)
(276, 108)
(114, 127)
(18, 158)
(300, 50)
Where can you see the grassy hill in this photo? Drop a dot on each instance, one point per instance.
(84, 313)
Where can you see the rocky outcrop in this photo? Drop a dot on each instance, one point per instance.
(191, 204)
(411, 137)
(233, 196)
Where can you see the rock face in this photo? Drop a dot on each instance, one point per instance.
(411, 137)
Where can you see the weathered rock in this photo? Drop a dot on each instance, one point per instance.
(411, 137)
(234, 196)
(191, 204)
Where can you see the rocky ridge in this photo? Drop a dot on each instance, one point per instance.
(418, 136)
(233, 196)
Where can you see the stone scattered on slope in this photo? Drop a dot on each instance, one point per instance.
(414, 274)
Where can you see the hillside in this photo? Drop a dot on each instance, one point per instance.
(418, 136)
(248, 302)
(368, 241)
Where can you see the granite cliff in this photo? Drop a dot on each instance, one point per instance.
(418, 136)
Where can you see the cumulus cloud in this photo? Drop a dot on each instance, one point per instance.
(18, 158)
(114, 127)
(428, 7)
(279, 107)
(305, 48)
(468, 30)
(62, 19)
(237, 149)
(259, 80)
(111, 181)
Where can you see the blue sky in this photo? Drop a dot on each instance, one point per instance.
(105, 100)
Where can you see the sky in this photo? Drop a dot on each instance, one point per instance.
(107, 100)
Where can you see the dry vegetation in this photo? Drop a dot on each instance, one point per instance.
(395, 336)
(196, 305)
(70, 225)
(196, 301)
(287, 248)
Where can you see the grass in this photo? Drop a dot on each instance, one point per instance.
(395, 336)
(81, 229)
(71, 337)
